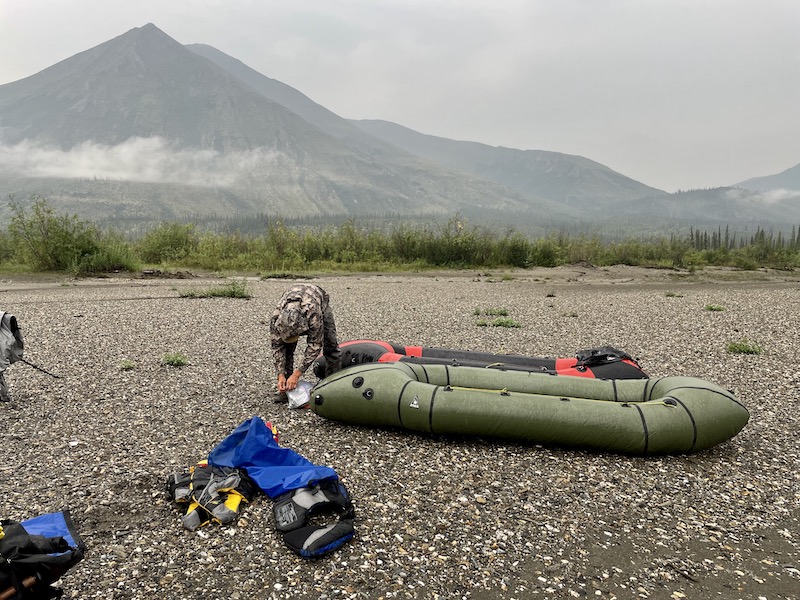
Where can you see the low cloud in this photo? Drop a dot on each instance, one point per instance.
(150, 160)
(768, 197)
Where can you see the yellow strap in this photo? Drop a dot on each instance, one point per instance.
(233, 501)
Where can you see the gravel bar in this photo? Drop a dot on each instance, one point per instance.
(437, 516)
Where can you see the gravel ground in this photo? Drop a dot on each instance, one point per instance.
(437, 517)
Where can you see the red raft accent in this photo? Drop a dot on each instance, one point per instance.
(601, 363)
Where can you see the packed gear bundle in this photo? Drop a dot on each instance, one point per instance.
(11, 349)
(211, 494)
(294, 511)
(250, 459)
(35, 553)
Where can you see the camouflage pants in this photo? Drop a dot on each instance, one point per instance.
(330, 348)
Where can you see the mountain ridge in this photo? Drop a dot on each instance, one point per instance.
(143, 85)
(570, 178)
(788, 180)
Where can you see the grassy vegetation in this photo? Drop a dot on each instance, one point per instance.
(505, 322)
(498, 322)
(174, 359)
(744, 346)
(492, 312)
(39, 239)
(714, 308)
(234, 289)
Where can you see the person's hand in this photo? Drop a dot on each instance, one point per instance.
(282, 383)
(293, 380)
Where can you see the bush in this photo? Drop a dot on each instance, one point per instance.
(505, 322)
(545, 253)
(49, 242)
(6, 247)
(174, 359)
(744, 346)
(234, 289)
(492, 312)
(112, 253)
(169, 242)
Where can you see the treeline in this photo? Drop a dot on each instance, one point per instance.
(39, 239)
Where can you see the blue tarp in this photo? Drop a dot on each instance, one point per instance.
(275, 470)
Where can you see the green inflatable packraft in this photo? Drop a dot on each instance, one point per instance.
(633, 416)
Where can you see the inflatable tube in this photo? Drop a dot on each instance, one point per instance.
(633, 416)
(605, 362)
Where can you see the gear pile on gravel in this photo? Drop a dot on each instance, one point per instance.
(437, 517)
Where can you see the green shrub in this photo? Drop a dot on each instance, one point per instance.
(744, 262)
(744, 346)
(127, 365)
(169, 242)
(545, 253)
(492, 312)
(234, 289)
(714, 308)
(6, 247)
(174, 359)
(46, 241)
(112, 253)
(505, 322)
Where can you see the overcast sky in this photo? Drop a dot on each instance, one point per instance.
(677, 94)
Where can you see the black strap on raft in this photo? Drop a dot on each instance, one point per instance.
(603, 355)
(294, 509)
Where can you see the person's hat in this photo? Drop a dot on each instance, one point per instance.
(289, 325)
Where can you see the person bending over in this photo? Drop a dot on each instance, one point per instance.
(304, 309)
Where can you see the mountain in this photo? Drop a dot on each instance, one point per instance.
(788, 180)
(142, 129)
(142, 110)
(297, 102)
(144, 84)
(357, 136)
(718, 206)
(534, 173)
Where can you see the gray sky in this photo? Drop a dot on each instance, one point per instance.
(678, 94)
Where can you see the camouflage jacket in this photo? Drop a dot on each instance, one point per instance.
(309, 302)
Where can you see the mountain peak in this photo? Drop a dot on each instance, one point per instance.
(141, 84)
(148, 44)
